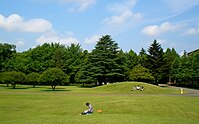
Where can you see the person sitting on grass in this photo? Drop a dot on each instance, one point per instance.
(141, 88)
(138, 87)
(89, 111)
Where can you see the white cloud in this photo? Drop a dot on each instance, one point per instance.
(151, 30)
(123, 17)
(121, 7)
(162, 41)
(192, 31)
(126, 16)
(180, 6)
(122, 13)
(19, 43)
(15, 22)
(154, 30)
(79, 5)
(92, 40)
(56, 38)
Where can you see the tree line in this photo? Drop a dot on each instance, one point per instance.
(55, 64)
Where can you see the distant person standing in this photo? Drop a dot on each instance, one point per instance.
(89, 111)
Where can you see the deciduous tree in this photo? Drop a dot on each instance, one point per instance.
(6, 52)
(140, 73)
(13, 78)
(33, 78)
(54, 77)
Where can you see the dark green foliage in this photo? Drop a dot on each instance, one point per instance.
(185, 67)
(19, 62)
(170, 55)
(185, 70)
(142, 57)
(6, 52)
(54, 77)
(156, 61)
(33, 60)
(84, 76)
(106, 63)
(102, 64)
(32, 78)
(132, 59)
(175, 70)
(195, 64)
(39, 59)
(74, 60)
(3, 79)
(59, 57)
(122, 62)
(195, 69)
(46, 56)
(140, 73)
(13, 78)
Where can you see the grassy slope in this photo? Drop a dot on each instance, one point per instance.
(126, 87)
(118, 88)
(43, 106)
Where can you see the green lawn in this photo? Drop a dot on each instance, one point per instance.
(41, 105)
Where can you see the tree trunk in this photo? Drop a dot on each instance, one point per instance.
(175, 81)
(169, 79)
(156, 81)
(13, 86)
(53, 87)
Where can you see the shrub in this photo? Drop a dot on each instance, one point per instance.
(140, 73)
(32, 78)
(54, 77)
(13, 78)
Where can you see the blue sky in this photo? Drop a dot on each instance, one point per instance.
(133, 24)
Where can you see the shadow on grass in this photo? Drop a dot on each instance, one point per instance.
(17, 88)
(56, 90)
(3, 86)
(20, 86)
(36, 87)
(163, 86)
(87, 86)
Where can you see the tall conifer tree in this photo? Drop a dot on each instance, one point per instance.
(156, 61)
(102, 64)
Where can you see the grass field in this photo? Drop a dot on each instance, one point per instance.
(119, 105)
